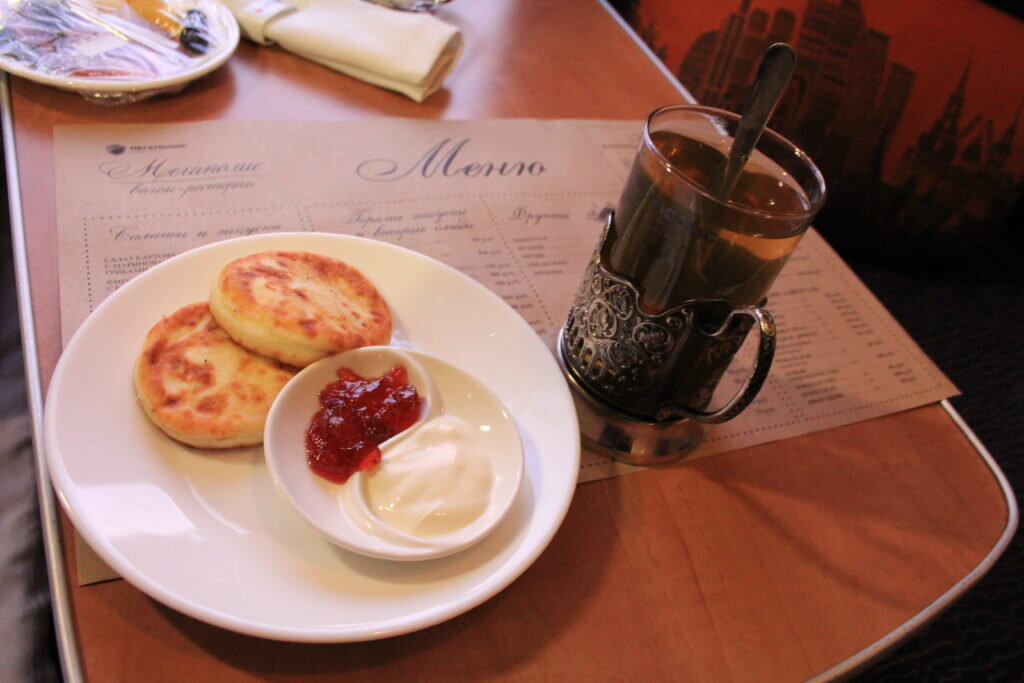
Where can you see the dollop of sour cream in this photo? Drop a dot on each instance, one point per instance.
(434, 481)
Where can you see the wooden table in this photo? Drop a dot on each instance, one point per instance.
(802, 558)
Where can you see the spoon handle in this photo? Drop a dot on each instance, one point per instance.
(772, 77)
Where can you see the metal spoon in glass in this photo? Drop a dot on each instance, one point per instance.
(772, 77)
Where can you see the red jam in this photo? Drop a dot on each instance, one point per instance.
(356, 415)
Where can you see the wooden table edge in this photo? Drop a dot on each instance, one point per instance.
(890, 641)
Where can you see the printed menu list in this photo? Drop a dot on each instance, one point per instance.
(514, 204)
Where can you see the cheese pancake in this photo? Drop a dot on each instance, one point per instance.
(200, 387)
(298, 307)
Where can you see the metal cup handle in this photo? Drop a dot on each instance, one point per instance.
(758, 372)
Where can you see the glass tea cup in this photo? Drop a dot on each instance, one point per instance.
(682, 271)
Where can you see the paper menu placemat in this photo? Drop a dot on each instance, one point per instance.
(515, 204)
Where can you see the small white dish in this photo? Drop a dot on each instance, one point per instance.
(340, 511)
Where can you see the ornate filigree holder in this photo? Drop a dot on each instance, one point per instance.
(610, 433)
(622, 364)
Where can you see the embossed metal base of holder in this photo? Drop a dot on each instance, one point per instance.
(611, 434)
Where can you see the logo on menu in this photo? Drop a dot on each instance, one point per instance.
(117, 148)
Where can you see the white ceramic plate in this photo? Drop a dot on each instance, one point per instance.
(207, 534)
(222, 26)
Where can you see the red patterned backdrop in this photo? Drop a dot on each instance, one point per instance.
(912, 109)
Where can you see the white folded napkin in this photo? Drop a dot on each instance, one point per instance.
(409, 52)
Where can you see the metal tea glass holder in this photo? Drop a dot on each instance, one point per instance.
(620, 362)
